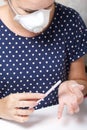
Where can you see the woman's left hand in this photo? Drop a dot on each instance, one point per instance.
(70, 94)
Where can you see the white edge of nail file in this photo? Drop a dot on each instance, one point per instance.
(50, 90)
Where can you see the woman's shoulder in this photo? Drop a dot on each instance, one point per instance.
(69, 14)
(66, 11)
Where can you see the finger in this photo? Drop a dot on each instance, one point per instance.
(75, 106)
(27, 96)
(60, 109)
(79, 95)
(70, 109)
(77, 92)
(77, 110)
(24, 104)
(21, 119)
(24, 112)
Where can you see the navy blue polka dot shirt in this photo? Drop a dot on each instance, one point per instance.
(35, 64)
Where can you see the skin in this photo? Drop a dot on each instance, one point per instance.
(20, 8)
(10, 106)
(72, 90)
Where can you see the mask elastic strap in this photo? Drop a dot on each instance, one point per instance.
(11, 6)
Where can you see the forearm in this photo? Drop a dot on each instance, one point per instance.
(77, 73)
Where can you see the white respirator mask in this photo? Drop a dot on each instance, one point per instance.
(33, 22)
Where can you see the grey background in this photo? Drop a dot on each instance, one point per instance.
(1, 2)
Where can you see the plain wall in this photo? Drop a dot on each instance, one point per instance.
(79, 5)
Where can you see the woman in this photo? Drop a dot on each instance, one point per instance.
(41, 42)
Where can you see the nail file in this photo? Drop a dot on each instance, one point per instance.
(48, 92)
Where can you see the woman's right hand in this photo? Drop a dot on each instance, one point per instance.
(13, 107)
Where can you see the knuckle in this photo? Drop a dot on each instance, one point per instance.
(21, 104)
(24, 119)
(20, 112)
(10, 101)
(24, 112)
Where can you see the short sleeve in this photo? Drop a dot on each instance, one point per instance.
(76, 40)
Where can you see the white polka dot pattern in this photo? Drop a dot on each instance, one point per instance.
(34, 64)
